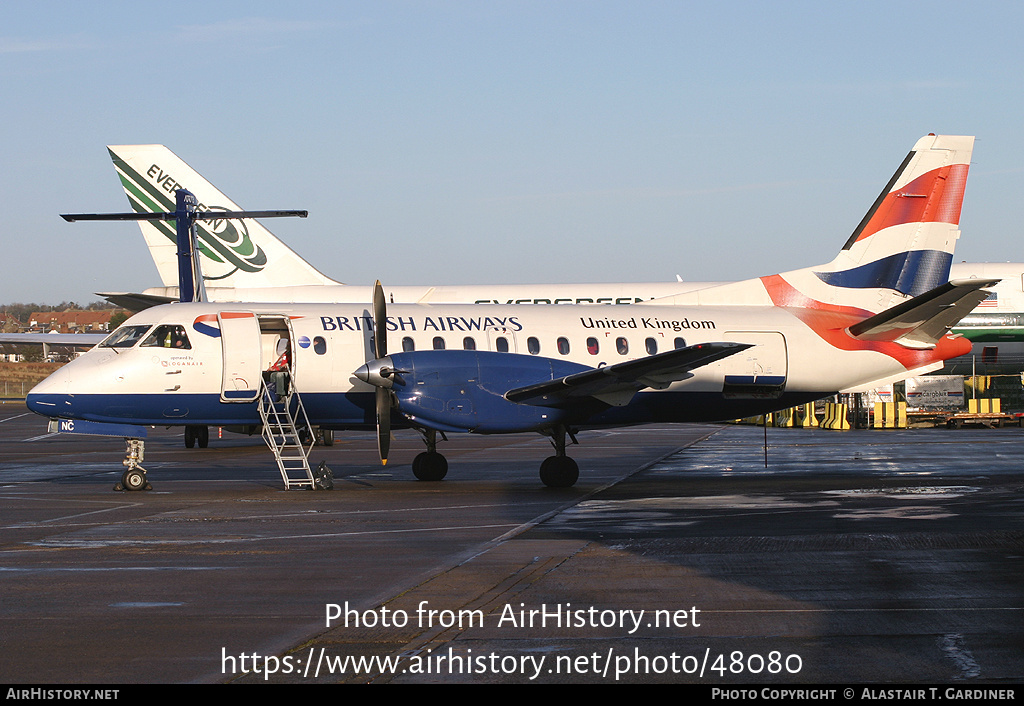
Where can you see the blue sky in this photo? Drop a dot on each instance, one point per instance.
(474, 142)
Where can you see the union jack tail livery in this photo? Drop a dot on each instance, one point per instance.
(903, 247)
(887, 291)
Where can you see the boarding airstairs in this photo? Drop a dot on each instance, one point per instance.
(285, 425)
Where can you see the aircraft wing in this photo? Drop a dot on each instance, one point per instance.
(78, 340)
(616, 384)
(135, 302)
(920, 322)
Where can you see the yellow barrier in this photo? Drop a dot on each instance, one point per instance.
(979, 383)
(835, 417)
(985, 405)
(890, 415)
(808, 420)
(783, 418)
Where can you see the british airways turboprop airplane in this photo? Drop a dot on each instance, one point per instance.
(879, 311)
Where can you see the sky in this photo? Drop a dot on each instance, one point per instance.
(450, 142)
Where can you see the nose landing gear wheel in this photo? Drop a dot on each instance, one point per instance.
(135, 479)
(134, 476)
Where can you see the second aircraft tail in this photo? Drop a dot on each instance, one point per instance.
(235, 253)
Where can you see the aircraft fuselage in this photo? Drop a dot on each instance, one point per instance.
(205, 378)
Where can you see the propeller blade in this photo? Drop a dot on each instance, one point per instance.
(383, 424)
(380, 322)
(380, 375)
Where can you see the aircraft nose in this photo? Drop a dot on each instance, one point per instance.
(50, 397)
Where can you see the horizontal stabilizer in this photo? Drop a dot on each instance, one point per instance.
(920, 322)
(171, 215)
(616, 384)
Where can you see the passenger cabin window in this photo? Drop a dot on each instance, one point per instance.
(501, 344)
(168, 336)
(563, 345)
(438, 343)
(592, 346)
(319, 345)
(652, 346)
(680, 343)
(408, 346)
(622, 345)
(533, 345)
(124, 337)
(468, 344)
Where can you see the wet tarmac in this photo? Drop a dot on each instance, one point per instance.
(866, 556)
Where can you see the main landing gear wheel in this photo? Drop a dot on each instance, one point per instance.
(430, 466)
(195, 433)
(559, 472)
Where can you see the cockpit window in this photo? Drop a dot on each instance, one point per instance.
(124, 337)
(168, 336)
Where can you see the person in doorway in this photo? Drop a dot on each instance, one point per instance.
(282, 362)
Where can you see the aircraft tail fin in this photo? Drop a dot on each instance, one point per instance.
(903, 247)
(235, 253)
(904, 244)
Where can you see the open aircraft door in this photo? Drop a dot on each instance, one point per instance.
(758, 372)
(240, 341)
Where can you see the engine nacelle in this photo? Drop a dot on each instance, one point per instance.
(464, 390)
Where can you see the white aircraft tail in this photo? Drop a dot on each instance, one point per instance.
(235, 253)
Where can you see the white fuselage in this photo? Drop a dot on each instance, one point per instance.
(154, 382)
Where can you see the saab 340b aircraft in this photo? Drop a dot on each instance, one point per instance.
(879, 311)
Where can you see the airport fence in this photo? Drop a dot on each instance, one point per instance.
(17, 379)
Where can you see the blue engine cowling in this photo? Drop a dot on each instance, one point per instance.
(464, 390)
